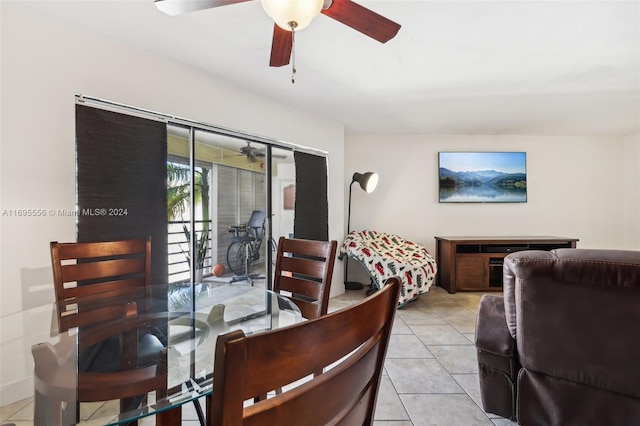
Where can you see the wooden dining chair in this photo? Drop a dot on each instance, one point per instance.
(351, 343)
(111, 274)
(304, 269)
(111, 270)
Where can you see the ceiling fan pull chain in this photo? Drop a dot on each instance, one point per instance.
(293, 26)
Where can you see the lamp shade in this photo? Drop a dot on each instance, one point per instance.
(301, 12)
(367, 181)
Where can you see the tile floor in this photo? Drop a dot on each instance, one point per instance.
(431, 372)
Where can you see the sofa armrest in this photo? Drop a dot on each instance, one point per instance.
(498, 364)
(541, 260)
(492, 334)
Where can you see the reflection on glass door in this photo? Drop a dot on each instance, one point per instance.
(284, 193)
(179, 212)
(189, 220)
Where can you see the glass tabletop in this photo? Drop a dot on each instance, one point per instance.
(168, 333)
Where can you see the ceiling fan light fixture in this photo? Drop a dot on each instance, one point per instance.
(292, 14)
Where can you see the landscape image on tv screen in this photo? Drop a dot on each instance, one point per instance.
(483, 177)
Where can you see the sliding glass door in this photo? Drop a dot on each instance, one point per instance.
(234, 182)
(215, 201)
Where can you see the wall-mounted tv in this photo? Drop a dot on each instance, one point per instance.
(482, 177)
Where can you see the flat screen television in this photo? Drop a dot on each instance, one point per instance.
(482, 177)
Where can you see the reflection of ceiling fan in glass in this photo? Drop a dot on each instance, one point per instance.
(252, 153)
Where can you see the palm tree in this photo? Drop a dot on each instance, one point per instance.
(178, 190)
(179, 199)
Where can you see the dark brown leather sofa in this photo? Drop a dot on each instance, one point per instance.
(562, 347)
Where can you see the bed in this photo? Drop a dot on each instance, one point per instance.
(388, 255)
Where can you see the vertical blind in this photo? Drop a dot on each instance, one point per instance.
(121, 163)
(311, 219)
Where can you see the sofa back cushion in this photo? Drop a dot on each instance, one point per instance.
(576, 314)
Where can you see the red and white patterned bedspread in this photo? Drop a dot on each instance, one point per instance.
(387, 255)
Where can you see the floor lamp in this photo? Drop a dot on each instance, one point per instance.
(368, 182)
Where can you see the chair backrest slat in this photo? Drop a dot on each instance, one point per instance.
(307, 267)
(121, 287)
(351, 345)
(101, 249)
(304, 268)
(310, 289)
(102, 269)
(72, 319)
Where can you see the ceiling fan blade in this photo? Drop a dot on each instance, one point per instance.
(178, 7)
(281, 47)
(262, 154)
(363, 20)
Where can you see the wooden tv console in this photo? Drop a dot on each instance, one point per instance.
(475, 263)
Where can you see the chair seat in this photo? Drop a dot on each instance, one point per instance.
(104, 357)
(65, 383)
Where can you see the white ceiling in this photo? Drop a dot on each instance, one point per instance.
(456, 67)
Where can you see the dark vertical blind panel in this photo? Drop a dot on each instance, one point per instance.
(122, 181)
(311, 219)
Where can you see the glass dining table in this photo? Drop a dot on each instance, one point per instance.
(175, 327)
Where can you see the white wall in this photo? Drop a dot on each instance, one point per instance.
(632, 190)
(44, 63)
(283, 226)
(580, 187)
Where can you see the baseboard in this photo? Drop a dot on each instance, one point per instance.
(17, 391)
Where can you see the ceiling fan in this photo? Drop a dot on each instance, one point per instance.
(252, 153)
(293, 15)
